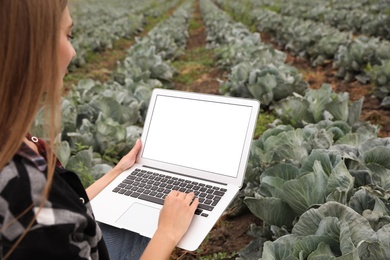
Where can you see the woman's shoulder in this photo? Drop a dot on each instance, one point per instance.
(8, 173)
(17, 170)
(21, 178)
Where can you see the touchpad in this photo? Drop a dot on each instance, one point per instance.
(141, 219)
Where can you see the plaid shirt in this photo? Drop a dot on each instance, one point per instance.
(64, 228)
(38, 161)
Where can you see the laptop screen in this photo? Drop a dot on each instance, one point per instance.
(197, 134)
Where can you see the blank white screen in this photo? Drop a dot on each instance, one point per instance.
(202, 135)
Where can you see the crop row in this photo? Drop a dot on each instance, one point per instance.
(364, 58)
(321, 182)
(373, 6)
(370, 19)
(98, 24)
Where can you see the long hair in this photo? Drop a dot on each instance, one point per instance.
(29, 75)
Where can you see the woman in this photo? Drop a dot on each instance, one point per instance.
(44, 211)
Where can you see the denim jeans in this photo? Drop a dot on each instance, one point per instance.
(123, 244)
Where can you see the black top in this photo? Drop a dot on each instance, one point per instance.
(65, 227)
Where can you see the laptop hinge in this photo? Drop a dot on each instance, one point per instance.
(220, 183)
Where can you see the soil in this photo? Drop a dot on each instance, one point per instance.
(208, 82)
(229, 235)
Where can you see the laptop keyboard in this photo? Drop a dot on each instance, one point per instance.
(154, 187)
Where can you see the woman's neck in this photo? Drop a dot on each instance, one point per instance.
(31, 145)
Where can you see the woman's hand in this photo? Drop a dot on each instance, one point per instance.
(176, 214)
(175, 218)
(125, 163)
(129, 159)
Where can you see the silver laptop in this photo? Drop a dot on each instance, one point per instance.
(190, 142)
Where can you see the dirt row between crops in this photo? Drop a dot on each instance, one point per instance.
(229, 235)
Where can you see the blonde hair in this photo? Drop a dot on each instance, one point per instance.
(29, 76)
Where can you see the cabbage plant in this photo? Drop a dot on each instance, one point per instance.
(380, 77)
(267, 83)
(334, 231)
(286, 191)
(352, 59)
(249, 49)
(318, 105)
(349, 179)
(149, 57)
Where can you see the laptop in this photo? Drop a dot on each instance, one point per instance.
(190, 142)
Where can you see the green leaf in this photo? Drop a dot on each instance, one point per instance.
(289, 145)
(361, 201)
(378, 161)
(109, 107)
(272, 211)
(318, 99)
(377, 156)
(306, 191)
(338, 106)
(375, 250)
(282, 248)
(353, 139)
(294, 111)
(63, 153)
(272, 179)
(99, 170)
(82, 159)
(355, 110)
(275, 131)
(378, 217)
(341, 181)
(272, 185)
(358, 226)
(323, 252)
(309, 244)
(319, 156)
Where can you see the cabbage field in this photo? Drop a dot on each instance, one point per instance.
(317, 184)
